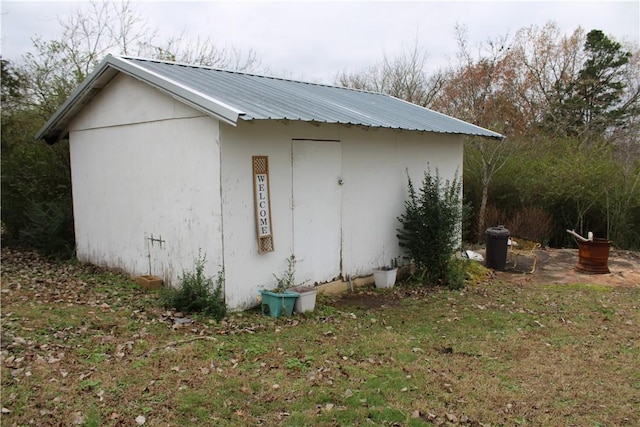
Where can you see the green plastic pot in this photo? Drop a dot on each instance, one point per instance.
(275, 304)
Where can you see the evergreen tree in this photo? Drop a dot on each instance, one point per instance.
(588, 105)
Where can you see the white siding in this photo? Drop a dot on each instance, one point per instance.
(246, 270)
(143, 164)
(373, 193)
(376, 164)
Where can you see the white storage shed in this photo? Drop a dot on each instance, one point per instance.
(169, 159)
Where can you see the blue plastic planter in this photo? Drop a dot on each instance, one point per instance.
(275, 304)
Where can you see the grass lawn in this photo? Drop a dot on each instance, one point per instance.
(82, 346)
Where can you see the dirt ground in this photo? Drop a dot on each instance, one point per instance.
(557, 266)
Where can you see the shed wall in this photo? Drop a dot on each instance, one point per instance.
(373, 191)
(146, 182)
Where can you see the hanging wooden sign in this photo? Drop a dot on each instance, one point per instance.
(262, 203)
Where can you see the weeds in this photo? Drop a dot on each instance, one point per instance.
(531, 223)
(198, 293)
(288, 279)
(455, 273)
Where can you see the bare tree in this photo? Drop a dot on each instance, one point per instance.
(403, 76)
(479, 89)
(92, 31)
(549, 60)
(627, 138)
(96, 29)
(203, 52)
(103, 27)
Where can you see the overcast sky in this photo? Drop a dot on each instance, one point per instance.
(316, 40)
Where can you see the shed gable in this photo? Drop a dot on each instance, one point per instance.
(126, 100)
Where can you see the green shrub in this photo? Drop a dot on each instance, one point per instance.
(197, 293)
(37, 210)
(49, 228)
(456, 273)
(431, 227)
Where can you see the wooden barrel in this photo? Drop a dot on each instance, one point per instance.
(593, 256)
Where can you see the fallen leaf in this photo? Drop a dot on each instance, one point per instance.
(78, 419)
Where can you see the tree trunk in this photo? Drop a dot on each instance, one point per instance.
(483, 204)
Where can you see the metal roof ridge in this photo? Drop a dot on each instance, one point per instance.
(244, 73)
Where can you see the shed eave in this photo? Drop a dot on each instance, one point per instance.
(481, 132)
(55, 128)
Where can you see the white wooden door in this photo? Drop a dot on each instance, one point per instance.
(317, 206)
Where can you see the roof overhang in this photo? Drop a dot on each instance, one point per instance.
(56, 128)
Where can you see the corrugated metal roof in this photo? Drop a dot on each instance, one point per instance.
(232, 95)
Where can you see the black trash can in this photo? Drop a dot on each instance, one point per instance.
(497, 245)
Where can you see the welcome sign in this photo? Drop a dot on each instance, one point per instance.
(262, 203)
